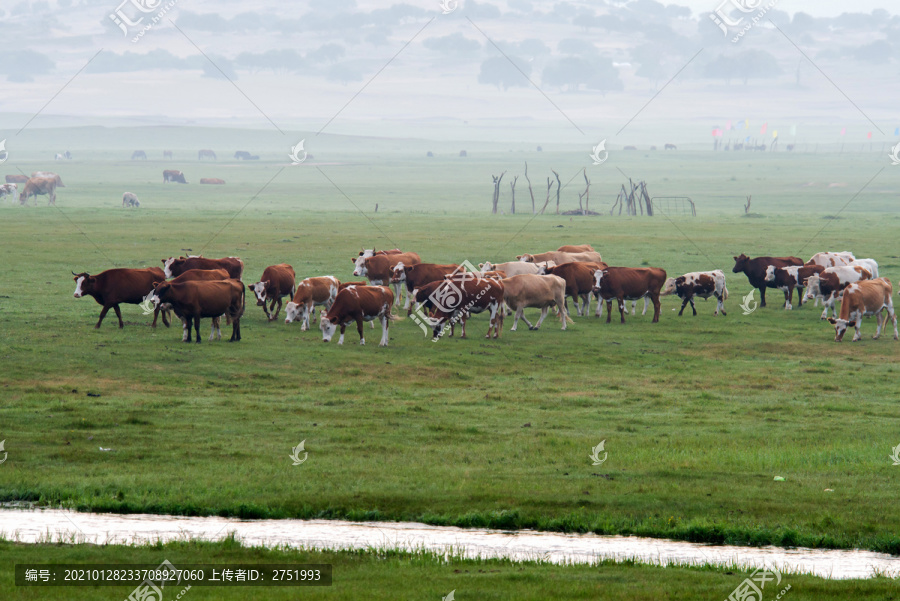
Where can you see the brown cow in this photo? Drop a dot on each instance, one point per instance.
(16, 179)
(755, 269)
(212, 180)
(195, 300)
(579, 278)
(359, 304)
(576, 248)
(313, 292)
(628, 283)
(36, 186)
(418, 275)
(193, 275)
(535, 291)
(788, 278)
(465, 293)
(56, 177)
(276, 281)
(114, 286)
(174, 267)
(173, 175)
(378, 269)
(870, 297)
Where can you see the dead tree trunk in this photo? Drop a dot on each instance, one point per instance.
(547, 201)
(512, 187)
(747, 206)
(496, 192)
(558, 186)
(530, 191)
(587, 195)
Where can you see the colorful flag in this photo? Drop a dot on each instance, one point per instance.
(843, 131)
(870, 135)
(764, 127)
(897, 132)
(747, 123)
(775, 134)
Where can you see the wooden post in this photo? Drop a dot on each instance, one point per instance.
(547, 201)
(512, 186)
(530, 191)
(747, 206)
(558, 186)
(496, 192)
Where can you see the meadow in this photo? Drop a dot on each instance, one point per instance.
(698, 414)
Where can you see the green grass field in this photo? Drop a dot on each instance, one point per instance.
(699, 414)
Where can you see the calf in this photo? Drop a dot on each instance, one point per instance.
(174, 267)
(788, 278)
(418, 275)
(831, 259)
(114, 286)
(830, 283)
(701, 284)
(378, 269)
(195, 300)
(579, 279)
(310, 293)
(455, 298)
(535, 291)
(277, 281)
(359, 304)
(755, 269)
(39, 186)
(628, 283)
(863, 299)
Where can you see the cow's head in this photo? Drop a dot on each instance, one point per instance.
(770, 273)
(812, 288)
(486, 266)
(544, 267)
(171, 265)
(597, 274)
(84, 284)
(294, 311)
(259, 289)
(328, 327)
(840, 327)
(398, 273)
(670, 286)
(740, 263)
(161, 292)
(526, 258)
(361, 268)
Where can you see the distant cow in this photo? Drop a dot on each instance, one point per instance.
(206, 154)
(243, 155)
(628, 283)
(629, 148)
(418, 275)
(55, 176)
(173, 175)
(863, 299)
(379, 269)
(138, 154)
(115, 286)
(463, 153)
(211, 180)
(276, 282)
(192, 301)
(359, 304)
(16, 179)
(576, 248)
(831, 259)
(538, 292)
(174, 267)
(9, 190)
(829, 285)
(167, 154)
(788, 278)
(755, 270)
(701, 284)
(39, 186)
(579, 279)
(313, 292)
(670, 147)
(130, 200)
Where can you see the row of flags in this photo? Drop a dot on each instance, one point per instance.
(718, 132)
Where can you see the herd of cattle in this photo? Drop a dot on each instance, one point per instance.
(442, 295)
(40, 183)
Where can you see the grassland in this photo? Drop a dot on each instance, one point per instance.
(699, 414)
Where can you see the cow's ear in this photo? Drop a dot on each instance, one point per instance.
(851, 324)
(831, 320)
(265, 284)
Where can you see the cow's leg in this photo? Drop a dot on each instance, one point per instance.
(463, 326)
(103, 312)
(235, 330)
(825, 306)
(185, 330)
(519, 315)
(544, 311)
(278, 310)
(341, 339)
(585, 305)
(608, 310)
(789, 298)
(858, 334)
(800, 292)
(525, 319)
(119, 315)
(893, 317)
(155, 315)
(385, 321)
(407, 305)
(165, 316)
(693, 308)
(762, 296)
(396, 297)
(657, 308)
(622, 309)
(644, 312)
(684, 303)
(878, 321)
(359, 328)
(498, 323)
(197, 328)
(633, 308)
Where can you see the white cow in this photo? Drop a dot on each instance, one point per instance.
(870, 264)
(831, 259)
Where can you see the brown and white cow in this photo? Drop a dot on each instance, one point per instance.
(378, 269)
(310, 293)
(869, 297)
(628, 283)
(371, 252)
(192, 275)
(418, 275)
(464, 294)
(788, 278)
(829, 285)
(702, 284)
(194, 300)
(525, 291)
(755, 269)
(359, 304)
(561, 257)
(576, 248)
(115, 286)
(871, 265)
(39, 186)
(173, 175)
(831, 259)
(579, 278)
(215, 181)
(276, 282)
(175, 267)
(9, 190)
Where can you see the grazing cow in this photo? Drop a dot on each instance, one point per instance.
(862, 299)
(628, 283)
(36, 186)
(670, 147)
(371, 252)
(418, 275)
(755, 269)
(212, 180)
(16, 179)
(830, 283)
(701, 284)
(561, 257)
(276, 281)
(138, 154)
(869, 264)
(206, 154)
(60, 156)
(576, 248)
(173, 267)
(538, 292)
(55, 176)
(629, 148)
(579, 279)
(114, 286)
(788, 278)
(462, 294)
(359, 304)
(167, 154)
(194, 300)
(243, 155)
(831, 259)
(378, 269)
(130, 200)
(173, 175)
(9, 190)
(313, 292)
(193, 275)
(512, 268)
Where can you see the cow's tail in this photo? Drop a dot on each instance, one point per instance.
(724, 292)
